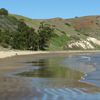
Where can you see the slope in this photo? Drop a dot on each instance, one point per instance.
(70, 33)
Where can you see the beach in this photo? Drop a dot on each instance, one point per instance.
(11, 53)
(16, 87)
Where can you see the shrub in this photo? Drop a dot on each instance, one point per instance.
(3, 11)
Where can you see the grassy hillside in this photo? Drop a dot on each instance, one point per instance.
(63, 29)
(30, 22)
(8, 23)
(68, 31)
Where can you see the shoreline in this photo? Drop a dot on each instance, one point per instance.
(8, 68)
(11, 53)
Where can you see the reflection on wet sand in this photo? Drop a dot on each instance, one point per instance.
(15, 88)
(43, 79)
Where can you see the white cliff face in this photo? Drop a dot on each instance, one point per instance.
(85, 44)
(93, 40)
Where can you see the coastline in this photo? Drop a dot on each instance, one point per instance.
(8, 69)
(11, 53)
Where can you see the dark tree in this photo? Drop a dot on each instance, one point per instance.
(3, 11)
(31, 39)
(45, 32)
(26, 38)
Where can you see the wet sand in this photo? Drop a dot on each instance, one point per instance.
(13, 88)
(94, 76)
(19, 88)
(11, 62)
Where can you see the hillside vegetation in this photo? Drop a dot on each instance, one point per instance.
(74, 33)
(16, 34)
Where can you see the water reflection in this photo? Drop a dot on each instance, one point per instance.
(53, 73)
(52, 68)
(52, 79)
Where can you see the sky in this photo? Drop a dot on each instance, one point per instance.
(44, 9)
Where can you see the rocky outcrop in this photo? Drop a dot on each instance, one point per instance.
(89, 43)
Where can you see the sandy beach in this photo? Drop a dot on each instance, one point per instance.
(11, 53)
(14, 87)
(5, 54)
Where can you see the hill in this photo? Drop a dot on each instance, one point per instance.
(74, 33)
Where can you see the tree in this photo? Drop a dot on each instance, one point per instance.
(31, 39)
(26, 38)
(45, 32)
(3, 11)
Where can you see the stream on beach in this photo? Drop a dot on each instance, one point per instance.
(50, 77)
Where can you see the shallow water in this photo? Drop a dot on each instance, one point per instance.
(51, 78)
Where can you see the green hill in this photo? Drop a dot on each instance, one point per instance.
(74, 33)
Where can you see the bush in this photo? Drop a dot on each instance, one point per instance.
(45, 32)
(3, 11)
